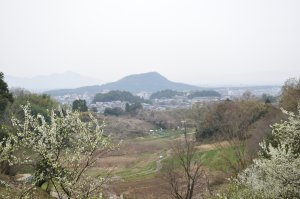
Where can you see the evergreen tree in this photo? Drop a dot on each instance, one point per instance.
(79, 105)
(5, 96)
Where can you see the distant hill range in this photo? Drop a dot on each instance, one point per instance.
(147, 82)
(53, 81)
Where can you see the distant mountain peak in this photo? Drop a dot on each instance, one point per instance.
(147, 82)
(66, 79)
(144, 76)
(153, 73)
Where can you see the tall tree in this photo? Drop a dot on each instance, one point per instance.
(79, 105)
(5, 95)
(5, 98)
(133, 108)
(290, 96)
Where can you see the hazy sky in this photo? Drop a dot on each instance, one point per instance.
(203, 42)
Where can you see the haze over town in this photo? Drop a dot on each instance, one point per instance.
(204, 43)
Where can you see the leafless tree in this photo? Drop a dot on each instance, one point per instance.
(183, 173)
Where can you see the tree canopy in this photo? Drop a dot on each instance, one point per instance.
(133, 108)
(205, 93)
(122, 96)
(116, 111)
(228, 118)
(165, 94)
(290, 96)
(5, 96)
(6, 99)
(268, 98)
(79, 105)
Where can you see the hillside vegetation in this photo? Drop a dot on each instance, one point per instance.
(117, 95)
(204, 93)
(47, 151)
(165, 94)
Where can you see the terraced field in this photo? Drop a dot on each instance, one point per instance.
(136, 165)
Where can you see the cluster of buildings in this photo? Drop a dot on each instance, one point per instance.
(70, 98)
(177, 102)
(237, 92)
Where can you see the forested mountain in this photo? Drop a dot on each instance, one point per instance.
(150, 82)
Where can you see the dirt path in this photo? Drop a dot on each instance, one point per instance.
(158, 165)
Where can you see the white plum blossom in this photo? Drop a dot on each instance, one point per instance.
(276, 172)
(62, 149)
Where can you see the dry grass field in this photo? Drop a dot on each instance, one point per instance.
(134, 166)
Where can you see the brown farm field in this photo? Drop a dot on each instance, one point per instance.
(136, 166)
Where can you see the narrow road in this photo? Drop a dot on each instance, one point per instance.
(158, 165)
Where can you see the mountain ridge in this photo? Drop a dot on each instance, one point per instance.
(53, 81)
(147, 82)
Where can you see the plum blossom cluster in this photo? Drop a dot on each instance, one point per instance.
(276, 172)
(62, 150)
